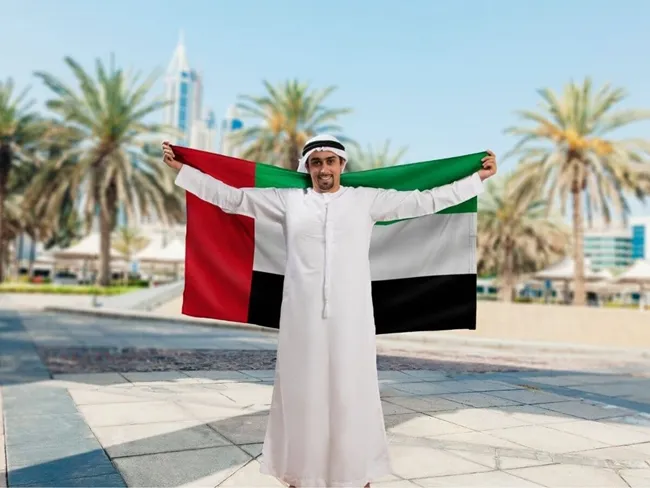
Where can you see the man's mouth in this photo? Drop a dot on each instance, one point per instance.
(325, 178)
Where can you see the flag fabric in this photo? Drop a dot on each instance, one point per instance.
(423, 269)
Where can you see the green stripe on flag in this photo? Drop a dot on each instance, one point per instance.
(415, 176)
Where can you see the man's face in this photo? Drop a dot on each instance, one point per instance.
(325, 169)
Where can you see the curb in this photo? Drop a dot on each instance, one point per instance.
(138, 315)
(423, 338)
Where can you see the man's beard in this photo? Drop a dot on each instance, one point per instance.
(326, 184)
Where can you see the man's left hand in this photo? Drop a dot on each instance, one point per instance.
(489, 163)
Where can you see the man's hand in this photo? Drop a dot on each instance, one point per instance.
(489, 166)
(169, 158)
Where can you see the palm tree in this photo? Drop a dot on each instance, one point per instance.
(20, 131)
(110, 166)
(515, 235)
(288, 115)
(568, 150)
(372, 158)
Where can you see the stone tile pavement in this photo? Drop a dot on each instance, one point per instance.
(204, 427)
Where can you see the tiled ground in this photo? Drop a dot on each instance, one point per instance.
(184, 427)
(205, 428)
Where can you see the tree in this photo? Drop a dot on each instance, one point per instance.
(128, 242)
(372, 158)
(515, 235)
(288, 115)
(567, 149)
(110, 166)
(20, 132)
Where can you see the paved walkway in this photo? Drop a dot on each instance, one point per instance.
(199, 419)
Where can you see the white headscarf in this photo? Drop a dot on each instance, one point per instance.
(323, 142)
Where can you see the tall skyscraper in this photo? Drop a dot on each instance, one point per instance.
(184, 91)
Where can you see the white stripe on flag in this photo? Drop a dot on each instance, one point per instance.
(441, 244)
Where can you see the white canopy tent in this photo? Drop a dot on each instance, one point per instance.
(638, 274)
(87, 248)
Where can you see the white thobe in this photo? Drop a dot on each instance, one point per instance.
(326, 426)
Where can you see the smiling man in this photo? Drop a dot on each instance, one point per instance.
(326, 426)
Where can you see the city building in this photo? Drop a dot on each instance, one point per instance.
(640, 237)
(229, 127)
(608, 248)
(184, 92)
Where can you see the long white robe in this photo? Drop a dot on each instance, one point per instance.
(326, 426)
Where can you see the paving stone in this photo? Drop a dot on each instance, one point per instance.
(251, 394)
(419, 425)
(207, 412)
(98, 397)
(131, 413)
(254, 450)
(429, 403)
(393, 409)
(26, 455)
(616, 389)
(94, 379)
(426, 388)
(250, 475)
(535, 415)
(471, 441)
(480, 418)
(577, 379)
(586, 410)
(479, 400)
(530, 397)
(260, 374)
(636, 478)
(570, 476)
(482, 385)
(389, 377)
(133, 440)
(492, 479)
(243, 429)
(154, 376)
(45, 430)
(112, 480)
(414, 461)
(220, 376)
(542, 438)
(605, 433)
(427, 375)
(397, 483)
(636, 452)
(202, 467)
(57, 472)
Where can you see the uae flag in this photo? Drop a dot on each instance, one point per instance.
(423, 269)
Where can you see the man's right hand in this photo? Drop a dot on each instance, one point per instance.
(169, 158)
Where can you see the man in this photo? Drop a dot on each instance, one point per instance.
(326, 426)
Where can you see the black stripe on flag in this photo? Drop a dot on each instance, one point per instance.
(430, 303)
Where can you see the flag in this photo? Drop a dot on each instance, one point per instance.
(423, 269)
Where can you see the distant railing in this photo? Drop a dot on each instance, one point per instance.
(144, 299)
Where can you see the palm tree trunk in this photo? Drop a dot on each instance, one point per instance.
(508, 275)
(579, 293)
(294, 155)
(3, 193)
(105, 228)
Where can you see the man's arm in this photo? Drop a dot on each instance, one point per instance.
(394, 205)
(250, 202)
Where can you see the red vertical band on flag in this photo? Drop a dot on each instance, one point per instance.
(220, 247)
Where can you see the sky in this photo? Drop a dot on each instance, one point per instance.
(442, 78)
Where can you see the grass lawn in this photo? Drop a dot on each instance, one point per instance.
(66, 289)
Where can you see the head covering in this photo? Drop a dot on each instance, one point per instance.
(323, 142)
